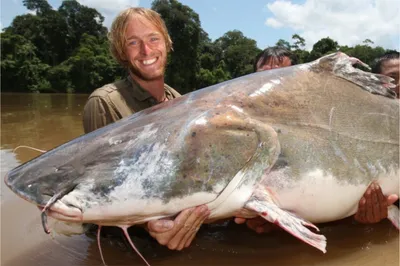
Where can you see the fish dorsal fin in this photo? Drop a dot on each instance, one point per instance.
(341, 65)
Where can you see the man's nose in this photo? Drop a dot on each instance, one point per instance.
(145, 48)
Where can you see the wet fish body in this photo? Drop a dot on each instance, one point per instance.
(296, 145)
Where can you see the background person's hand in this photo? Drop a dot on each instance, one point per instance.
(373, 206)
(179, 233)
(258, 224)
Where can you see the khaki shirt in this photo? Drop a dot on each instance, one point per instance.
(117, 100)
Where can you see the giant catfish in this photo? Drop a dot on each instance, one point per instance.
(296, 145)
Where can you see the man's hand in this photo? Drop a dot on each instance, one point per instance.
(373, 206)
(178, 234)
(258, 224)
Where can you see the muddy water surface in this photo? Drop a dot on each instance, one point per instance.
(45, 121)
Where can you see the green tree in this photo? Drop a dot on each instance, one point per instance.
(300, 55)
(368, 42)
(237, 51)
(283, 43)
(299, 42)
(40, 6)
(323, 47)
(184, 28)
(364, 52)
(81, 20)
(212, 68)
(90, 67)
(44, 29)
(44, 32)
(207, 77)
(59, 78)
(21, 70)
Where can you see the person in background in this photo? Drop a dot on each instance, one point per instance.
(389, 65)
(140, 42)
(273, 57)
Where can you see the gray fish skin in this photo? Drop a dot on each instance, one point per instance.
(301, 131)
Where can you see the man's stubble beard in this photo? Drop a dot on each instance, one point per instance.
(136, 72)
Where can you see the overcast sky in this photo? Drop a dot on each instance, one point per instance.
(347, 21)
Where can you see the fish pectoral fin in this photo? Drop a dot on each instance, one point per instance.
(394, 216)
(288, 221)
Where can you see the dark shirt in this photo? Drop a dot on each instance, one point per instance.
(117, 100)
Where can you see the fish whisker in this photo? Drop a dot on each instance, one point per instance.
(99, 245)
(125, 230)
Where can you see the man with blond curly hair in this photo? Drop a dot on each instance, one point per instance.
(140, 42)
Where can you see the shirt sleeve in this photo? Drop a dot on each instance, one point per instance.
(97, 113)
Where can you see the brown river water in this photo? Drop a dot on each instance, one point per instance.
(45, 121)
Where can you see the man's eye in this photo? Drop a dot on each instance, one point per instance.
(154, 39)
(133, 42)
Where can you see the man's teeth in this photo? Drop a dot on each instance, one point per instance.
(149, 62)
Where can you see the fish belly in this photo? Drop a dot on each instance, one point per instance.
(319, 198)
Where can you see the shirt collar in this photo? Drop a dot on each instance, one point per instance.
(141, 94)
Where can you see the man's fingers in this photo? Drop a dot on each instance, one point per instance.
(382, 203)
(255, 223)
(239, 220)
(360, 215)
(188, 240)
(179, 233)
(265, 228)
(375, 205)
(185, 224)
(165, 238)
(203, 212)
(369, 205)
(160, 226)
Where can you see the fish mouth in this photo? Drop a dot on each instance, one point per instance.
(63, 212)
(49, 205)
(47, 202)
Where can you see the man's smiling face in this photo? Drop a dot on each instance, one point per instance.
(145, 49)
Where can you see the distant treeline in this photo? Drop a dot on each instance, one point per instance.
(66, 50)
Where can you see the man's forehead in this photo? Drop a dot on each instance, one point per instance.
(142, 24)
(274, 60)
(391, 64)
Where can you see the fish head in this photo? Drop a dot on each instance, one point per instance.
(44, 177)
(48, 180)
